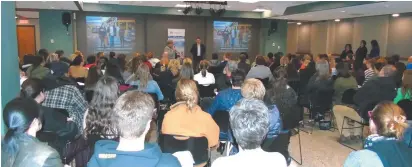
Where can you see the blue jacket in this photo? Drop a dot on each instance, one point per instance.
(225, 100)
(275, 122)
(407, 134)
(152, 87)
(106, 155)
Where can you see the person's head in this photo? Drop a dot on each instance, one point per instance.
(227, 56)
(187, 71)
(102, 63)
(215, 56)
(203, 66)
(99, 55)
(253, 88)
(270, 55)
(322, 68)
(114, 71)
(284, 61)
(370, 63)
(91, 59)
(249, 121)
(93, 75)
(143, 74)
(133, 111)
(59, 53)
(374, 44)
(407, 82)
(186, 91)
(395, 58)
(44, 53)
(343, 69)
(53, 58)
(78, 61)
(133, 64)
(169, 43)
(237, 78)
(231, 66)
(100, 113)
(174, 66)
(280, 79)
(260, 60)
(112, 55)
(387, 119)
(33, 88)
(348, 47)
(242, 58)
(187, 60)
(23, 118)
(198, 40)
(387, 71)
(362, 43)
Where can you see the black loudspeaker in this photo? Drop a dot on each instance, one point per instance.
(66, 19)
(273, 26)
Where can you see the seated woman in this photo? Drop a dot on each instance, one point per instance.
(371, 70)
(260, 71)
(204, 77)
(383, 147)
(404, 92)
(187, 71)
(97, 122)
(76, 69)
(57, 67)
(37, 69)
(174, 67)
(186, 118)
(55, 121)
(145, 82)
(343, 82)
(92, 77)
(20, 147)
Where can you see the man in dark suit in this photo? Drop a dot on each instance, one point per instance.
(198, 52)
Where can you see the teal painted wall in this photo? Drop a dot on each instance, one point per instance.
(276, 42)
(9, 56)
(51, 27)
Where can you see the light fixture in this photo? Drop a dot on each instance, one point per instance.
(260, 10)
(343, 11)
(337, 20)
(248, 1)
(299, 23)
(395, 15)
(180, 10)
(182, 5)
(16, 17)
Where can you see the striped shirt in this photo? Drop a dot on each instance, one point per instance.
(369, 73)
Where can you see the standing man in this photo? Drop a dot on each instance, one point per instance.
(112, 33)
(198, 52)
(170, 49)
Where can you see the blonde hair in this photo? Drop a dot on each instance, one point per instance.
(137, 54)
(143, 74)
(149, 55)
(389, 119)
(163, 63)
(253, 88)
(187, 60)
(284, 60)
(52, 58)
(186, 91)
(174, 66)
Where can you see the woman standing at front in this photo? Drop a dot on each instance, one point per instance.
(375, 51)
(360, 55)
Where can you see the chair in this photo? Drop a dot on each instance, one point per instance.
(265, 82)
(347, 96)
(279, 144)
(321, 103)
(222, 120)
(406, 106)
(206, 91)
(198, 147)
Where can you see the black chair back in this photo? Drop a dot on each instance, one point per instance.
(295, 86)
(206, 91)
(279, 144)
(406, 106)
(198, 146)
(265, 82)
(290, 116)
(321, 101)
(222, 120)
(347, 96)
(89, 95)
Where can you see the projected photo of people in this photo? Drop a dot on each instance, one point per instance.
(110, 34)
(231, 36)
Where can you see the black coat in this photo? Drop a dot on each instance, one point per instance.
(374, 91)
(193, 50)
(344, 54)
(360, 56)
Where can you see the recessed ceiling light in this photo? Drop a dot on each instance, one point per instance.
(337, 20)
(248, 1)
(52, 7)
(343, 11)
(228, 6)
(395, 15)
(260, 10)
(299, 23)
(16, 17)
(179, 10)
(182, 5)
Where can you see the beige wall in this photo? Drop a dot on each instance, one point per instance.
(394, 35)
(34, 22)
(292, 38)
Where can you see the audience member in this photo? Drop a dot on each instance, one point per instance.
(404, 92)
(371, 71)
(37, 69)
(91, 61)
(174, 67)
(343, 82)
(376, 90)
(150, 57)
(133, 109)
(276, 61)
(44, 53)
(223, 81)
(20, 147)
(383, 147)
(271, 58)
(98, 122)
(225, 99)
(242, 65)
(60, 53)
(260, 71)
(145, 82)
(76, 69)
(121, 58)
(306, 72)
(215, 60)
(92, 77)
(56, 67)
(75, 54)
(187, 71)
(400, 68)
(249, 121)
(131, 71)
(186, 118)
(113, 70)
(144, 59)
(348, 49)
(113, 58)
(375, 49)
(204, 77)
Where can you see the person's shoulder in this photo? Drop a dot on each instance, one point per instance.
(168, 160)
(363, 158)
(222, 161)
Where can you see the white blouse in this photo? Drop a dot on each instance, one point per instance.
(205, 81)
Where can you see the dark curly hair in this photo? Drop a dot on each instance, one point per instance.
(99, 119)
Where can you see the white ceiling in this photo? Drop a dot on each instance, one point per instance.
(374, 9)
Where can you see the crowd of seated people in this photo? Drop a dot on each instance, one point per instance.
(84, 111)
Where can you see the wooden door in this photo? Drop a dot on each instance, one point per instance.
(26, 40)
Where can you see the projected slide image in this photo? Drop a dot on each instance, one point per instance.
(231, 36)
(110, 34)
